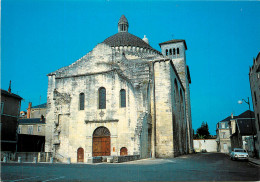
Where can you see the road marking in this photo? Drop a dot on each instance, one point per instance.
(23, 179)
(54, 179)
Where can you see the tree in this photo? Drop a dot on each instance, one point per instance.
(203, 131)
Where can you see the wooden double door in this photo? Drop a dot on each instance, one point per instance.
(101, 146)
(101, 142)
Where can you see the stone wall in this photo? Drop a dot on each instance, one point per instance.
(210, 145)
(169, 122)
(69, 128)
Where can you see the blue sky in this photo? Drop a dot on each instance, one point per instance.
(38, 37)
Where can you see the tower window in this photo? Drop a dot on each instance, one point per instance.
(122, 98)
(81, 101)
(166, 52)
(170, 52)
(102, 98)
(178, 51)
(255, 98)
(174, 51)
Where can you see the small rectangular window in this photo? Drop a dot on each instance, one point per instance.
(81, 101)
(30, 129)
(39, 128)
(19, 129)
(222, 125)
(224, 134)
(2, 107)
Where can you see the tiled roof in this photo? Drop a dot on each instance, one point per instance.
(41, 106)
(229, 118)
(32, 121)
(4, 92)
(246, 126)
(123, 19)
(247, 114)
(174, 41)
(127, 39)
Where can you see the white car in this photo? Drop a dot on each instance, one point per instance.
(238, 153)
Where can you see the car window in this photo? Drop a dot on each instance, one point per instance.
(240, 150)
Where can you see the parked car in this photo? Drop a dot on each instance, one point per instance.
(239, 154)
(203, 150)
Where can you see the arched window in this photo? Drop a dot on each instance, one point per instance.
(81, 101)
(102, 98)
(166, 52)
(170, 52)
(174, 51)
(176, 91)
(178, 51)
(122, 98)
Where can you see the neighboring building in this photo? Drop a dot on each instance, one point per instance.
(254, 78)
(208, 145)
(242, 130)
(36, 111)
(31, 131)
(223, 136)
(31, 135)
(122, 98)
(10, 109)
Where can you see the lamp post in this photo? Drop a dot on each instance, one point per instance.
(248, 103)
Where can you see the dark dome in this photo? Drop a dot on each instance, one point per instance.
(126, 39)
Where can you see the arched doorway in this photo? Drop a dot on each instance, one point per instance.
(123, 151)
(101, 142)
(80, 156)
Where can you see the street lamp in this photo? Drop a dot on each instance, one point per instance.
(248, 103)
(241, 102)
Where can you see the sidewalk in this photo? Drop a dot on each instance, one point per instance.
(254, 161)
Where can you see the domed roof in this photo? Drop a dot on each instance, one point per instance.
(123, 38)
(126, 39)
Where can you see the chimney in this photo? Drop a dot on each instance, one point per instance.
(9, 89)
(42, 117)
(29, 110)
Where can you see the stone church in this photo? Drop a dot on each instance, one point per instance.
(122, 98)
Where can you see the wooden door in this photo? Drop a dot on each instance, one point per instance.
(123, 151)
(80, 155)
(101, 142)
(101, 146)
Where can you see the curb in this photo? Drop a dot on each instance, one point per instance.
(254, 163)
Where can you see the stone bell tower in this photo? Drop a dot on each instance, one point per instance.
(175, 50)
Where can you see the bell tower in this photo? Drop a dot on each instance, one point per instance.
(123, 24)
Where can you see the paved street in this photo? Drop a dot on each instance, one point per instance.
(196, 167)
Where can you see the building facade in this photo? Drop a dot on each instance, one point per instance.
(242, 130)
(10, 110)
(254, 78)
(223, 136)
(31, 130)
(122, 98)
